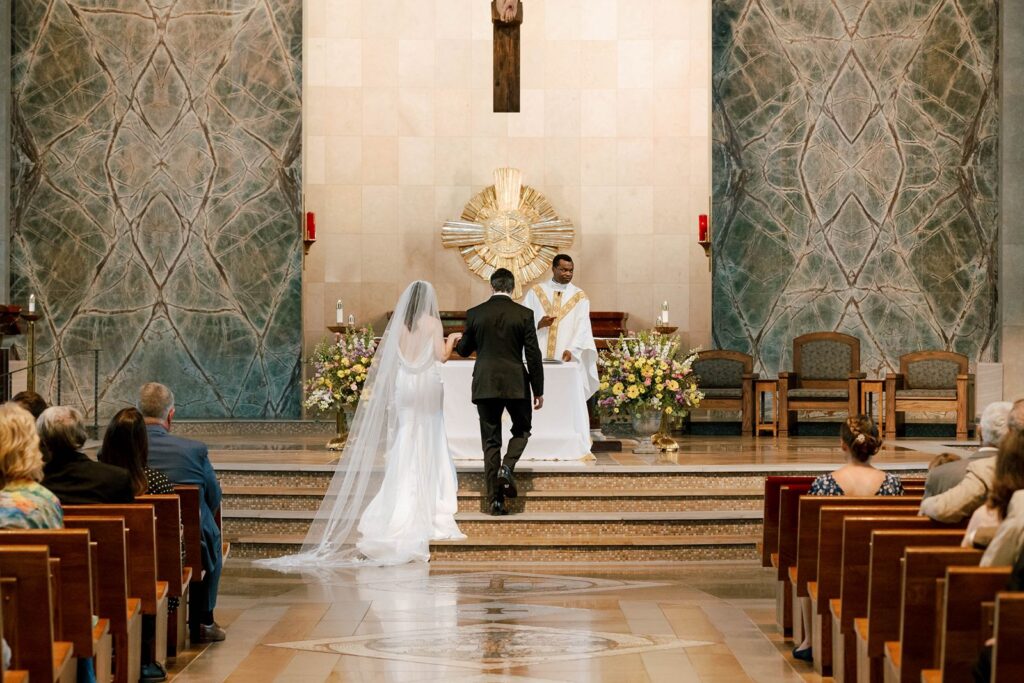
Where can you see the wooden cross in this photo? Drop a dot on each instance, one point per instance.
(506, 15)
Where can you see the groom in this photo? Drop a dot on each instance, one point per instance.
(501, 332)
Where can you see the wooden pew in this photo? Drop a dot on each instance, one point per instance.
(109, 534)
(191, 515)
(885, 575)
(785, 555)
(10, 675)
(852, 600)
(805, 567)
(830, 571)
(772, 496)
(26, 590)
(905, 658)
(964, 625)
(1007, 654)
(140, 521)
(72, 548)
(169, 567)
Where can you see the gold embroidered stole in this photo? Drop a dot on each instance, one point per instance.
(556, 310)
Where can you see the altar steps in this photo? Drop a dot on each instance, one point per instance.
(563, 513)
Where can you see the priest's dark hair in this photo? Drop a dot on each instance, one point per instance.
(560, 257)
(502, 280)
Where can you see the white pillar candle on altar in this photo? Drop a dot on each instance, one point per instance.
(339, 314)
(351, 320)
(664, 313)
(32, 303)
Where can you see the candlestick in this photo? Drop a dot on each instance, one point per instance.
(351, 320)
(339, 313)
(664, 313)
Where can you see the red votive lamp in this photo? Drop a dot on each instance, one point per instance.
(310, 226)
(702, 228)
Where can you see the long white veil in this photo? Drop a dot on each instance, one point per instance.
(331, 540)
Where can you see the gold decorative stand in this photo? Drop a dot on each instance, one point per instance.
(30, 378)
(342, 424)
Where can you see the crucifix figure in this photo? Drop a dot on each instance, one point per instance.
(506, 15)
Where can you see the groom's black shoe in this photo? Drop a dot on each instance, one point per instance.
(506, 482)
(498, 507)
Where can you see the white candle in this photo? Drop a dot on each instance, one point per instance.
(664, 313)
(32, 303)
(339, 314)
(351, 320)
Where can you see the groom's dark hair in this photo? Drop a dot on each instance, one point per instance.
(502, 280)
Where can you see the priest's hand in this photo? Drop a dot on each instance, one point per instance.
(566, 356)
(546, 321)
(538, 402)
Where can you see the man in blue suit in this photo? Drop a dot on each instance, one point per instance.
(187, 462)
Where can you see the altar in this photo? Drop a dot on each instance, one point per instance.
(561, 429)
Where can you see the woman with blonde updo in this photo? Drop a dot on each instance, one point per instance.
(24, 503)
(858, 477)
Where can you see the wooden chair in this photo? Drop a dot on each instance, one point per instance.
(826, 377)
(72, 548)
(914, 651)
(828, 584)
(936, 381)
(852, 599)
(1007, 654)
(727, 380)
(113, 601)
(27, 594)
(169, 566)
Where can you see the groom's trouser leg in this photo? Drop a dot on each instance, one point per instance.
(490, 411)
(521, 412)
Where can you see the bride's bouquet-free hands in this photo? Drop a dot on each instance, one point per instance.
(339, 370)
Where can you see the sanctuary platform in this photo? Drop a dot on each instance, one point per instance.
(702, 503)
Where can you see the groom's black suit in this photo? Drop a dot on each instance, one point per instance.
(501, 332)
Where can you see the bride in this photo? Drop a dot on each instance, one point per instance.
(397, 452)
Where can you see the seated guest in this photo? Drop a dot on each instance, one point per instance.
(32, 402)
(72, 475)
(859, 439)
(24, 504)
(187, 462)
(126, 445)
(1008, 501)
(991, 430)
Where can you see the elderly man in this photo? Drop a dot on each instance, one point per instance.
(71, 475)
(992, 429)
(967, 496)
(187, 462)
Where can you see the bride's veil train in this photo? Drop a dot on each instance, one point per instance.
(332, 537)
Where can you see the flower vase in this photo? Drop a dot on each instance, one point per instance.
(645, 425)
(343, 420)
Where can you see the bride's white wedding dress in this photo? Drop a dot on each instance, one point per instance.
(418, 497)
(395, 488)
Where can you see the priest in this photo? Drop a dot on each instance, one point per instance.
(562, 312)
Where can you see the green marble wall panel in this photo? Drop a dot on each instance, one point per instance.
(855, 176)
(157, 198)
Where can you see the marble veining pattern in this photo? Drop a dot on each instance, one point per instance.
(497, 585)
(157, 197)
(492, 646)
(855, 152)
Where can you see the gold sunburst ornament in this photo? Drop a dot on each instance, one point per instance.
(509, 225)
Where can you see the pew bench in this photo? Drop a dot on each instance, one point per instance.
(169, 547)
(27, 578)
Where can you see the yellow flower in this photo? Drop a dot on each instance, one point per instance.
(631, 378)
(668, 411)
(617, 389)
(604, 386)
(365, 360)
(633, 391)
(615, 410)
(346, 362)
(672, 385)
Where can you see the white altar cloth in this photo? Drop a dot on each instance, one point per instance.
(561, 429)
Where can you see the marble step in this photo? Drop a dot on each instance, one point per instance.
(240, 523)
(569, 500)
(543, 478)
(499, 548)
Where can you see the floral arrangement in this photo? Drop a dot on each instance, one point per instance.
(339, 371)
(645, 374)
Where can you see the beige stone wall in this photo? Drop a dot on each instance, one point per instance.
(400, 133)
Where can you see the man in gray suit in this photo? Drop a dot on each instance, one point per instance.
(187, 462)
(992, 429)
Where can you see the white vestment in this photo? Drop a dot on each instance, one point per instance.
(571, 330)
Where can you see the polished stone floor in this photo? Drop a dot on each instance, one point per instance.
(528, 624)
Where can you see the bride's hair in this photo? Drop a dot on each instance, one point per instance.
(416, 309)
